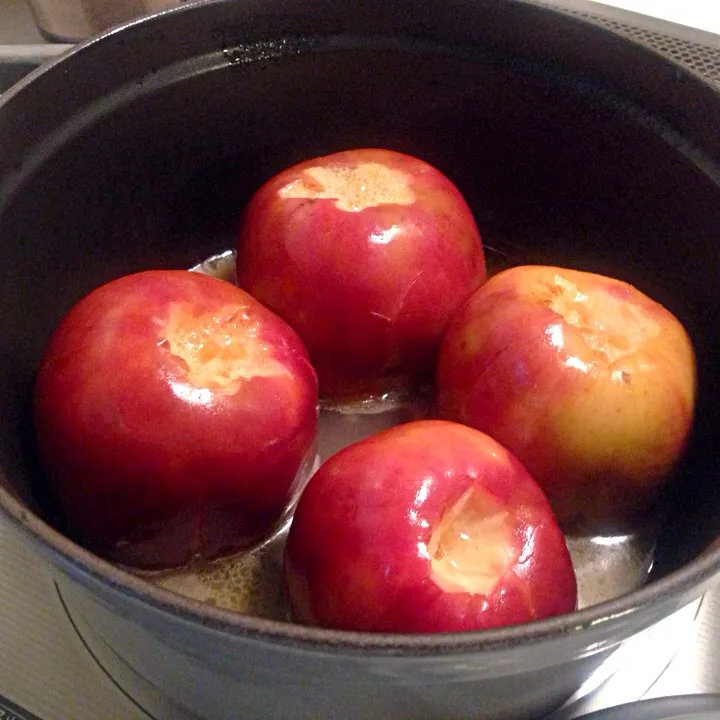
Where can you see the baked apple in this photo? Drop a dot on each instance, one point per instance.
(175, 416)
(427, 527)
(366, 254)
(585, 379)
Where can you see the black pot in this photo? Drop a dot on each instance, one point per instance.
(574, 147)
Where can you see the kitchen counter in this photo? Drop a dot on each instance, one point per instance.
(17, 26)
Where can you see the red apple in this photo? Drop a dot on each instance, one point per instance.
(173, 414)
(427, 527)
(366, 254)
(584, 378)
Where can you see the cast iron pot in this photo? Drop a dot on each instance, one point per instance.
(138, 150)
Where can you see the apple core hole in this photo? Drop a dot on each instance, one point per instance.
(218, 349)
(608, 325)
(353, 188)
(473, 546)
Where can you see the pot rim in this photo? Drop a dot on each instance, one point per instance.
(686, 582)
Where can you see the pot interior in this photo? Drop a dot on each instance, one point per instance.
(151, 167)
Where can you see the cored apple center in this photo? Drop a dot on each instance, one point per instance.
(365, 185)
(473, 546)
(220, 349)
(611, 329)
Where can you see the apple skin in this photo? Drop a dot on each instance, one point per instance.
(371, 527)
(173, 412)
(366, 254)
(589, 382)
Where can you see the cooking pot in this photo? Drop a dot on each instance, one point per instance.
(573, 146)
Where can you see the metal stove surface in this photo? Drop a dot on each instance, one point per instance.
(48, 670)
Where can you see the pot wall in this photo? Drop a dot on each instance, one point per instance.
(220, 677)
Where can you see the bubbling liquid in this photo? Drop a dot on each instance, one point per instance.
(606, 566)
(250, 583)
